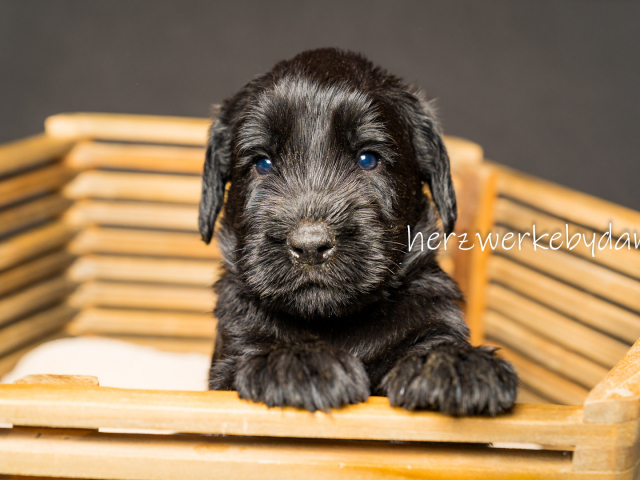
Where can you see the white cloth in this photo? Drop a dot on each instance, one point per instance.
(116, 364)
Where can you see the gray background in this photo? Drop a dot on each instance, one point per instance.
(548, 87)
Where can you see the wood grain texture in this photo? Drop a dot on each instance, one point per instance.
(612, 459)
(568, 204)
(44, 379)
(577, 271)
(542, 351)
(566, 299)
(31, 151)
(137, 295)
(131, 128)
(30, 213)
(150, 158)
(141, 242)
(527, 396)
(111, 321)
(617, 397)
(543, 383)
(134, 214)
(561, 330)
(173, 457)
(34, 242)
(33, 271)
(476, 216)
(34, 297)
(34, 327)
(47, 179)
(10, 360)
(222, 412)
(200, 272)
(150, 187)
(462, 153)
(522, 218)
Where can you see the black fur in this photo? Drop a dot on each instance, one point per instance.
(373, 318)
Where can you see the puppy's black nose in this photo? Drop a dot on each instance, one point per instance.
(311, 243)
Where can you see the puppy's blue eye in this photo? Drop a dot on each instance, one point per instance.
(264, 166)
(368, 161)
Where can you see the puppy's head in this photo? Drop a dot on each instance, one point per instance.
(327, 156)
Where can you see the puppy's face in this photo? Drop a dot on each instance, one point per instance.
(322, 197)
(324, 181)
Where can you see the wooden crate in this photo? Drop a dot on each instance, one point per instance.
(98, 236)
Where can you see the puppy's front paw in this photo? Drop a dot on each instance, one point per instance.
(456, 379)
(314, 377)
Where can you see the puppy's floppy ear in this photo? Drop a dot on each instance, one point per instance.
(432, 156)
(216, 172)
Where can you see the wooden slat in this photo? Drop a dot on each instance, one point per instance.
(48, 379)
(142, 242)
(562, 202)
(522, 218)
(462, 152)
(527, 396)
(150, 158)
(153, 187)
(559, 329)
(105, 321)
(616, 461)
(34, 242)
(591, 310)
(617, 397)
(34, 298)
(476, 215)
(145, 269)
(32, 212)
(9, 361)
(31, 151)
(21, 477)
(33, 271)
(136, 295)
(137, 128)
(173, 457)
(34, 327)
(134, 214)
(579, 272)
(223, 413)
(542, 351)
(543, 382)
(47, 179)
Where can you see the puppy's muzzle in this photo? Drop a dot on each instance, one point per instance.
(311, 243)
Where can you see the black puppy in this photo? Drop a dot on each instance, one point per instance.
(320, 303)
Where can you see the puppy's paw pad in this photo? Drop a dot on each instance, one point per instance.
(313, 377)
(455, 379)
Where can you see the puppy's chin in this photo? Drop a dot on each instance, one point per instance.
(315, 302)
(319, 292)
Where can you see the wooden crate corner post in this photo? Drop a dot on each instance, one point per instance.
(615, 401)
